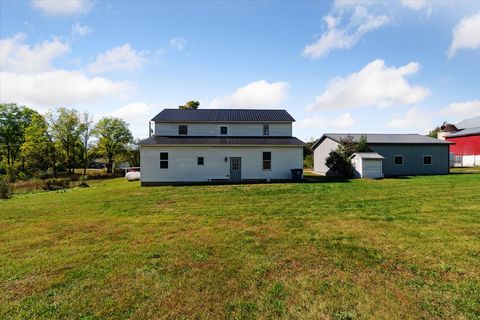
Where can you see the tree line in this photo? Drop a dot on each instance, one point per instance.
(32, 144)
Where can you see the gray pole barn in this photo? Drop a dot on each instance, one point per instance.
(405, 154)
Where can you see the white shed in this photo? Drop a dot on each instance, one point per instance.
(367, 165)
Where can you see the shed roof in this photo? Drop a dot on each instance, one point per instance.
(376, 138)
(192, 140)
(223, 115)
(367, 155)
(473, 122)
(465, 132)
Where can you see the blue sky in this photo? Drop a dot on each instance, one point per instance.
(341, 66)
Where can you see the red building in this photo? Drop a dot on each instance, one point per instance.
(466, 138)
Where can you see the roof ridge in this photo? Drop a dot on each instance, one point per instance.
(226, 109)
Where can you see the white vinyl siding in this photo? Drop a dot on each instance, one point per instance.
(320, 154)
(234, 129)
(183, 162)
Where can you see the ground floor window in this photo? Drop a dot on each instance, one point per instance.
(267, 161)
(398, 160)
(427, 159)
(200, 161)
(163, 160)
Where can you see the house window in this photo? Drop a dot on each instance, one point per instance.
(427, 160)
(266, 130)
(223, 130)
(163, 160)
(267, 161)
(398, 160)
(200, 161)
(183, 130)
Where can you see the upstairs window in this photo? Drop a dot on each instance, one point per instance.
(183, 130)
(200, 161)
(427, 160)
(223, 130)
(267, 161)
(266, 130)
(398, 160)
(163, 160)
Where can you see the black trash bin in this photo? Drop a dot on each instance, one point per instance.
(297, 174)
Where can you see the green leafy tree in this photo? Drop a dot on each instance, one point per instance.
(66, 128)
(86, 128)
(339, 160)
(38, 149)
(113, 138)
(190, 105)
(308, 153)
(14, 120)
(434, 133)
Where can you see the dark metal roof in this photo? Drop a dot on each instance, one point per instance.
(375, 138)
(223, 115)
(176, 140)
(464, 132)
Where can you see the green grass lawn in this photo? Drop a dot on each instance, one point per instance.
(388, 249)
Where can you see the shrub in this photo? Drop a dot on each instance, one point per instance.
(83, 182)
(56, 184)
(5, 189)
(22, 176)
(11, 173)
(339, 164)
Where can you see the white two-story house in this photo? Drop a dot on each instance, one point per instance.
(220, 145)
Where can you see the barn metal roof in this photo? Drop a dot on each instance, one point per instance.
(469, 123)
(190, 140)
(223, 115)
(376, 138)
(465, 132)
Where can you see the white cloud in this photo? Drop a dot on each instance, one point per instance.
(17, 56)
(62, 7)
(118, 58)
(28, 77)
(414, 118)
(343, 121)
(253, 95)
(79, 30)
(178, 43)
(466, 34)
(374, 85)
(417, 4)
(137, 115)
(461, 110)
(57, 88)
(360, 22)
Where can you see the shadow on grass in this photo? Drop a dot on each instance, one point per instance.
(398, 177)
(323, 179)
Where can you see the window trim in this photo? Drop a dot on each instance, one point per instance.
(398, 155)
(164, 160)
(431, 159)
(186, 130)
(267, 127)
(198, 161)
(269, 161)
(226, 130)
